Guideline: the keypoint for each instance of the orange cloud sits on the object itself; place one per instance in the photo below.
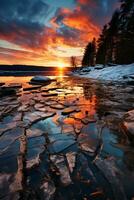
(84, 2)
(49, 46)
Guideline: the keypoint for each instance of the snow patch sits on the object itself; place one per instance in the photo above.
(115, 73)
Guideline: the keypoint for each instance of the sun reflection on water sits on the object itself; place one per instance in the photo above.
(60, 73)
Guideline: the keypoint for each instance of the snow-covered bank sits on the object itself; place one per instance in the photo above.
(115, 73)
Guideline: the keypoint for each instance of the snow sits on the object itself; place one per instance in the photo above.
(115, 73)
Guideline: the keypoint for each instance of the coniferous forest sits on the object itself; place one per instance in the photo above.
(116, 41)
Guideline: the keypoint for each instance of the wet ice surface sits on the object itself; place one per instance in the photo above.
(64, 141)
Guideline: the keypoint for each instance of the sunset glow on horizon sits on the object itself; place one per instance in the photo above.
(47, 32)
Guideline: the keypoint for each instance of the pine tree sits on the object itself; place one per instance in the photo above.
(102, 47)
(125, 46)
(87, 55)
(116, 42)
(93, 53)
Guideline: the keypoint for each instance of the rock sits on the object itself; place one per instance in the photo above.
(129, 116)
(85, 168)
(5, 181)
(32, 88)
(71, 159)
(48, 189)
(70, 110)
(14, 85)
(1, 84)
(61, 144)
(50, 102)
(110, 172)
(6, 111)
(49, 94)
(57, 106)
(31, 133)
(129, 159)
(128, 125)
(129, 79)
(86, 70)
(59, 162)
(33, 162)
(17, 117)
(40, 80)
(7, 91)
(52, 88)
(98, 193)
(31, 118)
(131, 76)
(23, 108)
(59, 136)
(9, 126)
(40, 107)
(99, 67)
(89, 145)
(17, 184)
(111, 64)
(88, 120)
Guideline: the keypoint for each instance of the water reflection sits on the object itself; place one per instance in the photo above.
(15, 79)
(60, 73)
(90, 105)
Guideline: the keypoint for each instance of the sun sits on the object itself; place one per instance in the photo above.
(61, 65)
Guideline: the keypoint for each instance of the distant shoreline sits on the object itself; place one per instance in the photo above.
(26, 70)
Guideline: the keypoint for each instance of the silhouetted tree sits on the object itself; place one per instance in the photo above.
(116, 42)
(102, 47)
(73, 62)
(125, 47)
(93, 53)
(107, 41)
(89, 57)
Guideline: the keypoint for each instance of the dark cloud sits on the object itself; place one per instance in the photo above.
(21, 21)
(29, 10)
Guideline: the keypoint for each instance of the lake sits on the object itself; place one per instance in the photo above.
(63, 140)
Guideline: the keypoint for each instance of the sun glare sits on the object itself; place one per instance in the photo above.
(61, 65)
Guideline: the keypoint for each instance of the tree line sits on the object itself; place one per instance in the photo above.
(116, 41)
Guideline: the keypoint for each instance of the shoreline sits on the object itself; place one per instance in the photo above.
(119, 73)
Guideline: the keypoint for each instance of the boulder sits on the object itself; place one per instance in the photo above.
(128, 124)
(7, 91)
(2, 83)
(40, 80)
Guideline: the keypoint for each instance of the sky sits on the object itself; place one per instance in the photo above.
(49, 32)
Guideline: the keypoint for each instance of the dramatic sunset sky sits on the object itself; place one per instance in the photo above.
(49, 32)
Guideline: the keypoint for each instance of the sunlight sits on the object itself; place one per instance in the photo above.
(61, 65)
